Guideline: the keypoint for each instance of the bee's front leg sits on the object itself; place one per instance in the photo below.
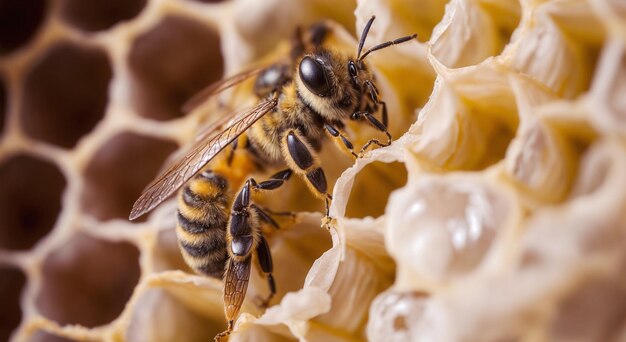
(378, 125)
(381, 126)
(374, 95)
(340, 139)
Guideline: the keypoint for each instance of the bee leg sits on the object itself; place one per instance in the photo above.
(265, 217)
(236, 280)
(267, 212)
(265, 260)
(378, 125)
(301, 158)
(241, 241)
(274, 182)
(339, 136)
(279, 213)
(374, 95)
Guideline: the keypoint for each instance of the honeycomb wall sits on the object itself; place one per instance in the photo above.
(505, 176)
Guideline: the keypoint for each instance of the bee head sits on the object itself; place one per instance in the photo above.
(315, 76)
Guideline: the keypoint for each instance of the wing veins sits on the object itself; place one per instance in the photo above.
(218, 87)
(198, 156)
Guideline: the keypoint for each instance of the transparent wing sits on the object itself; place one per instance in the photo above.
(219, 86)
(200, 153)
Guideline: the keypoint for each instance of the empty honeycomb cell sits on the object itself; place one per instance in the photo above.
(88, 281)
(30, 200)
(189, 59)
(397, 314)
(372, 187)
(119, 171)
(12, 281)
(19, 21)
(163, 318)
(3, 105)
(101, 14)
(167, 254)
(66, 94)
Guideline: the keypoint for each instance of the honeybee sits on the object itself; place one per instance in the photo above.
(303, 100)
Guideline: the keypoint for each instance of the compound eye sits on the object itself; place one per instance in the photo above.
(313, 75)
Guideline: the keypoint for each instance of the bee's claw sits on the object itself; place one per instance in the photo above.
(328, 222)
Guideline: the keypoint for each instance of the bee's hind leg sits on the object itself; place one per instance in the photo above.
(265, 260)
(236, 280)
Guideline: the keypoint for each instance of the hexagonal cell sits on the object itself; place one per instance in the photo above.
(161, 317)
(3, 104)
(471, 32)
(372, 187)
(101, 14)
(30, 200)
(12, 280)
(66, 94)
(119, 171)
(167, 254)
(19, 21)
(189, 59)
(88, 281)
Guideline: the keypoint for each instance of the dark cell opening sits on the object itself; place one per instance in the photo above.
(19, 21)
(66, 94)
(167, 255)
(96, 15)
(30, 200)
(88, 281)
(119, 171)
(171, 63)
(12, 280)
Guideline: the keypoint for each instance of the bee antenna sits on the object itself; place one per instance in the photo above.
(386, 44)
(366, 30)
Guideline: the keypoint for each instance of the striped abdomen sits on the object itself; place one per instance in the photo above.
(202, 220)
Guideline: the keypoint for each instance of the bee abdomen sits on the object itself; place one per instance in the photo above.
(202, 220)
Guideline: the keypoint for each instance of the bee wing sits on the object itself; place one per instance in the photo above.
(225, 121)
(219, 86)
(199, 155)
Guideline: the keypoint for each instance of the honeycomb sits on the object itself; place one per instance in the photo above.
(498, 214)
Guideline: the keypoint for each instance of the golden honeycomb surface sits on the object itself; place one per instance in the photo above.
(498, 213)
